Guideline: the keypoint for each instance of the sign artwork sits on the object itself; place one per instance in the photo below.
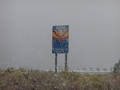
(60, 39)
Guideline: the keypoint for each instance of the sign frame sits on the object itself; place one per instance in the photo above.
(60, 39)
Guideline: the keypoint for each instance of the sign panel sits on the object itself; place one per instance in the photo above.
(60, 39)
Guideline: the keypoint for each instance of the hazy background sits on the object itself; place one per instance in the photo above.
(26, 29)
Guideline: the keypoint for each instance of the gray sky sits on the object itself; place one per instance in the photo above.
(26, 29)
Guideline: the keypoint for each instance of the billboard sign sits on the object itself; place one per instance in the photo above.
(60, 35)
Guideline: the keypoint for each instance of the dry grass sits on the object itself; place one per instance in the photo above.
(21, 79)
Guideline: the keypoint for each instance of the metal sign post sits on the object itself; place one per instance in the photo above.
(55, 62)
(66, 67)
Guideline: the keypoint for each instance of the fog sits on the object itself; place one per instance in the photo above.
(26, 32)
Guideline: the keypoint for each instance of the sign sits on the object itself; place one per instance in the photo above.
(60, 39)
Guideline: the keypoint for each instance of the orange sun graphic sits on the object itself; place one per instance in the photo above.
(60, 34)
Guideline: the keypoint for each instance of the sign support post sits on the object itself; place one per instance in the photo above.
(66, 67)
(55, 62)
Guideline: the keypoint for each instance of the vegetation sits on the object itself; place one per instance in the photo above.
(21, 79)
(117, 68)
